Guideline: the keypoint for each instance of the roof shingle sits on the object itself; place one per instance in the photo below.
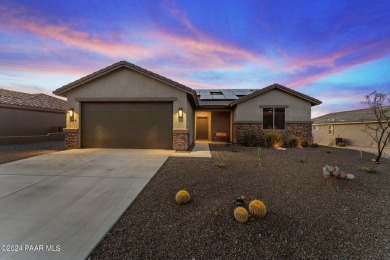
(10, 97)
(352, 116)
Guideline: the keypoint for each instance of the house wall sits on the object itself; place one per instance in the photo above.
(220, 122)
(298, 110)
(248, 116)
(352, 134)
(126, 83)
(29, 121)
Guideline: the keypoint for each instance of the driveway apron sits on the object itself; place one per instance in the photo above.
(60, 205)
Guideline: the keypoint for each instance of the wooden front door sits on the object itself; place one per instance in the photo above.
(202, 128)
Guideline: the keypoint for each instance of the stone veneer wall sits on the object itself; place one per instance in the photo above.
(302, 130)
(240, 130)
(72, 138)
(180, 141)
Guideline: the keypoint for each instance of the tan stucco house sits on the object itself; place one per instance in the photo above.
(24, 114)
(348, 125)
(126, 106)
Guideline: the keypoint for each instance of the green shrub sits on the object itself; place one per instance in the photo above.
(219, 165)
(301, 161)
(331, 144)
(368, 170)
(341, 144)
(250, 138)
(314, 145)
(294, 141)
(328, 151)
(305, 143)
(273, 139)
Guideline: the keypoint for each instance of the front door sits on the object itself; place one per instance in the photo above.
(202, 128)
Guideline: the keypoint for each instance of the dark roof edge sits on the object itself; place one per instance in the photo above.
(312, 100)
(61, 91)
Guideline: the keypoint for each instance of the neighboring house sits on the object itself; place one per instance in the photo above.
(347, 125)
(24, 114)
(126, 106)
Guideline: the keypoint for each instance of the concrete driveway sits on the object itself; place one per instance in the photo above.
(60, 205)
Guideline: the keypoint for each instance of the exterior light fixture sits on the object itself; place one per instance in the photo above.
(71, 114)
(180, 112)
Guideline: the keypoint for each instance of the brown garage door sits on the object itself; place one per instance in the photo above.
(127, 125)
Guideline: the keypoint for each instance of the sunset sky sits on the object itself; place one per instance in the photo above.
(336, 51)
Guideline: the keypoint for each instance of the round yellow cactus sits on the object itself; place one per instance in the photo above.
(182, 197)
(257, 209)
(241, 215)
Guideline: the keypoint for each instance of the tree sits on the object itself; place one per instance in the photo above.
(379, 130)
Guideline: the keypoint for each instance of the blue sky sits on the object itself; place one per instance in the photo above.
(335, 51)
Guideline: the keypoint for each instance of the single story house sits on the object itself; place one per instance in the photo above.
(24, 114)
(126, 106)
(347, 125)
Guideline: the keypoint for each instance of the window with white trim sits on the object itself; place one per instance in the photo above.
(316, 127)
(331, 130)
(274, 118)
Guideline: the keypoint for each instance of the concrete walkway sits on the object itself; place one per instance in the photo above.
(374, 150)
(60, 205)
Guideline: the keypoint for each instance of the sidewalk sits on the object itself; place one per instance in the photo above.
(385, 154)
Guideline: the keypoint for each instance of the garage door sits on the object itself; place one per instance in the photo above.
(127, 125)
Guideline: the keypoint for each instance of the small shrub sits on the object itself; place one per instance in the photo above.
(241, 215)
(328, 151)
(305, 143)
(294, 141)
(368, 170)
(331, 144)
(273, 139)
(341, 144)
(257, 209)
(219, 164)
(250, 139)
(301, 161)
(314, 145)
(182, 197)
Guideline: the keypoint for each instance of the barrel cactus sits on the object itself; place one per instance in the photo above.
(241, 215)
(257, 209)
(182, 197)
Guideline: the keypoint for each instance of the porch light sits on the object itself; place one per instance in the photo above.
(180, 112)
(71, 112)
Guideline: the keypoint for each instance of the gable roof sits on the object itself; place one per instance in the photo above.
(123, 64)
(256, 93)
(352, 116)
(15, 98)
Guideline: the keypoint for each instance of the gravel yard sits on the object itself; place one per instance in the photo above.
(14, 152)
(309, 216)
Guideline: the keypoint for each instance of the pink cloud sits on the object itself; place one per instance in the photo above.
(18, 20)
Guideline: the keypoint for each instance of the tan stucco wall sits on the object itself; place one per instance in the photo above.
(298, 110)
(352, 134)
(126, 83)
(24, 122)
(220, 122)
(190, 113)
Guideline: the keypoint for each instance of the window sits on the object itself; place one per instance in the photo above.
(316, 127)
(331, 130)
(273, 118)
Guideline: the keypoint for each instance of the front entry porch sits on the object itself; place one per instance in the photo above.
(213, 125)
